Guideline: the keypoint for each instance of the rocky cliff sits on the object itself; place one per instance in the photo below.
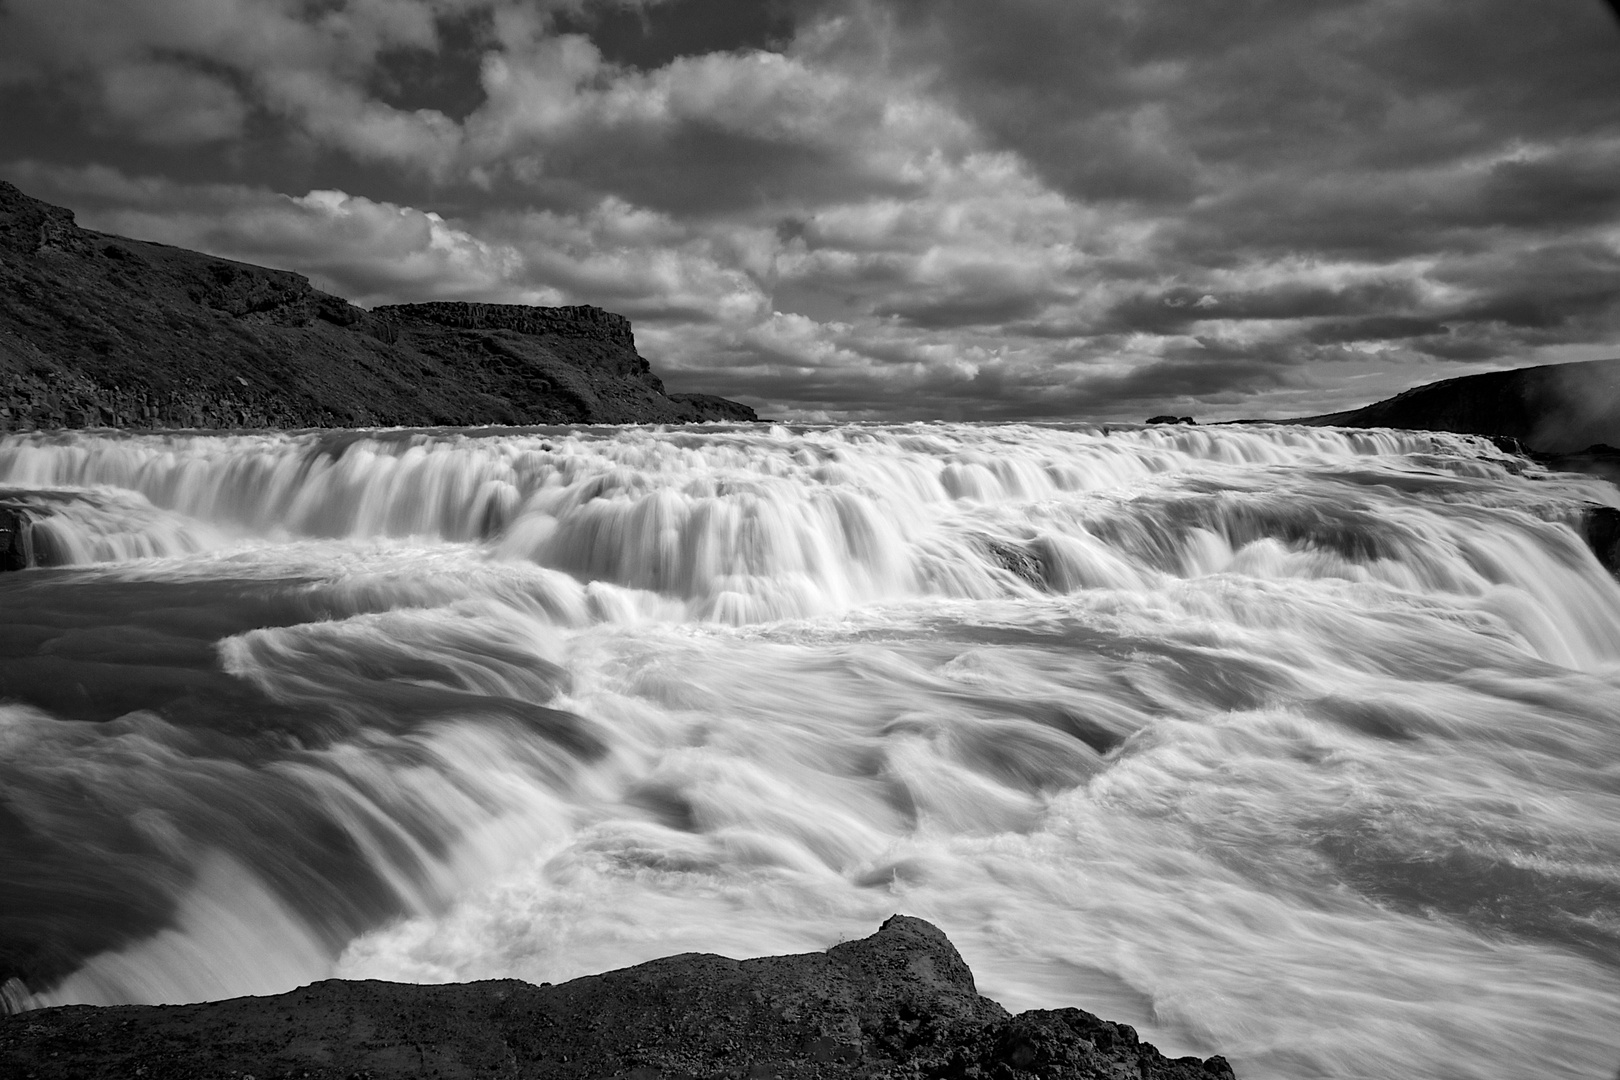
(99, 330)
(1555, 408)
(900, 1003)
(1565, 416)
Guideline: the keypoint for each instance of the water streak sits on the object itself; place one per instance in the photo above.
(1291, 744)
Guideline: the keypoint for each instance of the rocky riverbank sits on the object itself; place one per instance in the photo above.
(900, 1003)
(99, 330)
(1558, 409)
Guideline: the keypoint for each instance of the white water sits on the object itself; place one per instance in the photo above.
(1296, 745)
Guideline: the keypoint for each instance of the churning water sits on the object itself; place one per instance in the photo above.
(1296, 745)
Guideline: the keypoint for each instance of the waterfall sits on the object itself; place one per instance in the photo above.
(1290, 744)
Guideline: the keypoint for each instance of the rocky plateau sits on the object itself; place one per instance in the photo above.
(98, 330)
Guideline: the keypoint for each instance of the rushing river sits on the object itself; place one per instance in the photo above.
(1297, 745)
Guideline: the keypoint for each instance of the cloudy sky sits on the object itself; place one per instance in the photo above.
(867, 209)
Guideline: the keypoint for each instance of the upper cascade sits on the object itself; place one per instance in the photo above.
(103, 331)
(753, 525)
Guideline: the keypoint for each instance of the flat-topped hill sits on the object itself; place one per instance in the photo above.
(100, 330)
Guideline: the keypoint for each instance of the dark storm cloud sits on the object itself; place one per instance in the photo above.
(442, 73)
(883, 207)
(1174, 310)
(1393, 213)
(649, 37)
(984, 306)
(1088, 90)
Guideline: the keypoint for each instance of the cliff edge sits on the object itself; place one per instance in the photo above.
(100, 330)
(900, 1003)
(1555, 408)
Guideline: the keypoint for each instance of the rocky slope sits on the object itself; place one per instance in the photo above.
(1555, 408)
(1564, 416)
(900, 1003)
(99, 330)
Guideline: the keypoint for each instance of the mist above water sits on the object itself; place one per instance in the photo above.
(1295, 745)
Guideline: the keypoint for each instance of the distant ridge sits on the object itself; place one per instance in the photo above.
(1554, 408)
(100, 330)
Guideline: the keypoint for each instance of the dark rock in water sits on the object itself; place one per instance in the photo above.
(26, 536)
(103, 331)
(21, 546)
(900, 1003)
(1168, 419)
(1601, 527)
(1553, 408)
(1599, 459)
(1021, 561)
(16, 539)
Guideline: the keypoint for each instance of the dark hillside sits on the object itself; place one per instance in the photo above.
(99, 330)
(1555, 408)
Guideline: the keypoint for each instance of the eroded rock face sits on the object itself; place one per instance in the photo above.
(103, 331)
(900, 1003)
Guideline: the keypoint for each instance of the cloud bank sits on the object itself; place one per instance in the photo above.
(884, 208)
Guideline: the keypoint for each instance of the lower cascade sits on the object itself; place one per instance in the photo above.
(1295, 745)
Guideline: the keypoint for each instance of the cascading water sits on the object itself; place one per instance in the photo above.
(1295, 745)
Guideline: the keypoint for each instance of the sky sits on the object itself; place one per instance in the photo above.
(885, 209)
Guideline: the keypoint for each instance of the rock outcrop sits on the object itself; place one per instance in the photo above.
(99, 330)
(900, 1003)
(1554, 408)
(1600, 527)
(1558, 415)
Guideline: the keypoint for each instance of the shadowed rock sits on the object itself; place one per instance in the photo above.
(900, 1003)
(1022, 561)
(1601, 528)
(103, 331)
(1553, 408)
(16, 538)
(21, 544)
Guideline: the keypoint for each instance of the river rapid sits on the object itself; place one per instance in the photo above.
(1297, 745)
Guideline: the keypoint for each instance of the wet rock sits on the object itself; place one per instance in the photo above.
(1168, 419)
(21, 544)
(900, 1003)
(1600, 525)
(1599, 459)
(1023, 562)
(16, 539)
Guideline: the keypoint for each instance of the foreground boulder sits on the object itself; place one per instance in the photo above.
(900, 1003)
(99, 330)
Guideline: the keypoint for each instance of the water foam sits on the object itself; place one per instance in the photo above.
(1288, 744)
